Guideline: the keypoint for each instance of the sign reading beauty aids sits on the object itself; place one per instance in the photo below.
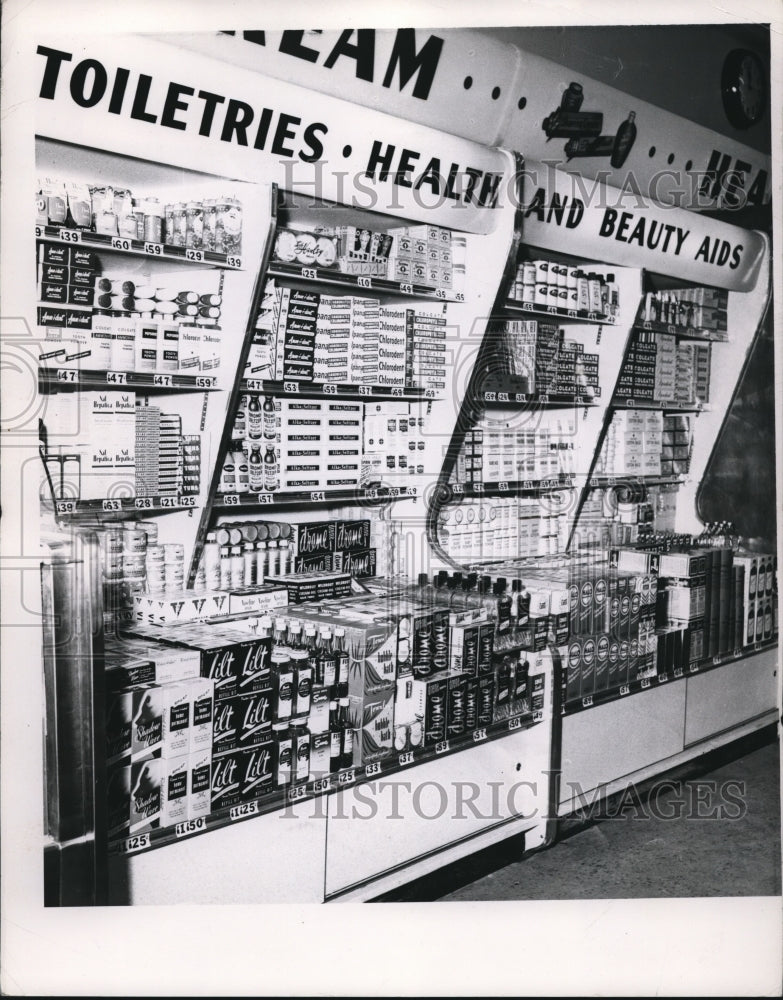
(141, 97)
(599, 222)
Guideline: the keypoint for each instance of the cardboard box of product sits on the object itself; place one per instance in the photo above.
(373, 720)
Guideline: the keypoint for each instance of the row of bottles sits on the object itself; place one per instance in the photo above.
(244, 555)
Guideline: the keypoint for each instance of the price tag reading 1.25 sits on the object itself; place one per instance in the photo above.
(309, 272)
(244, 810)
(347, 777)
(133, 844)
(296, 792)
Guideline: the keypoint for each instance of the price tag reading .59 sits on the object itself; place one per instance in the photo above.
(156, 250)
(231, 499)
(205, 381)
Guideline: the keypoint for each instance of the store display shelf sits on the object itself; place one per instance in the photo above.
(644, 684)
(124, 505)
(140, 248)
(688, 332)
(510, 488)
(57, 379)
(554, 399)
(632, 403)
(348, 777)
(246, 502)
(555, 312)
(629, 480)
(340, 390)
(360, 282)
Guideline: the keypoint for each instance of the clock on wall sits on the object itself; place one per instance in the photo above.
(744, 88)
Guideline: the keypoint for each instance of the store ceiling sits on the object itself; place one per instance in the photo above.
(675, 67)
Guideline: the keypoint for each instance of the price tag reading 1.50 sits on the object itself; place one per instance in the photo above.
(190, 826)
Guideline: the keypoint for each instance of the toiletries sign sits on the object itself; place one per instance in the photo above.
(132, 95)
(596, 221)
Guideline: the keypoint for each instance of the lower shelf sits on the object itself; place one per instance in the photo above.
(278, 798)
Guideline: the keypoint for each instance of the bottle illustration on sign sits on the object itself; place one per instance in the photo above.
(582, 130)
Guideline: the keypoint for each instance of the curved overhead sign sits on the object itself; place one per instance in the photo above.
(469, 84)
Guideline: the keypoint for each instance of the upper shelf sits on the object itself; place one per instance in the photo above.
(359, 282)
(555, 312)
(138, 248)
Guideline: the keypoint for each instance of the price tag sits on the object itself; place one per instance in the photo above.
(592, 316)
(503, 487)
(757, 647)
(364, 390)
(458, 488)
(169, 502)
(397, 390)
(515, 723)
(544, 397)
(459, 297)
(587, 702)
(143, 503)
(371, 494)
(66, 506)
(677, 673)
(244, 810)
(645, 683)
(133, 844)
(206, 381)
(520, 397)
(538, 716)
(717, 660)
(693, 668)
(118, 243)
(394, 491)
(671, 329)
(363, 281)
(234, 261)
(478, 487)
(527, 307)
(161, 380)
(442, 747)
(479, 735)
(624, 689)
(440, 293)
(406, 289)
(187, 501)
(490, 397)
(155, 250)
(372, 769)
(66, 374)
(196, 255)
(737, 654)
(115, 378)
(663, 678)
(527, 484)
(297, 792)
(265, 497)
(405, 758)
(310, 272)
(630, 403)
(429, 394)
(322, 785)
(112, 505)
(347, 777)
(410, 490)
(647, 325)
(572, 314)
(290, 387)
(552, 310)
(70, 235)
(190, 826)
(502, 397)
(329, 389)
(254, 384)
(231, 499)
(316, 495)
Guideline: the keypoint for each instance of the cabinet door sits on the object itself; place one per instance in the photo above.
(733, 694)
(383, 825)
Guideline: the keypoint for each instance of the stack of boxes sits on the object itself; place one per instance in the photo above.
(319, 444)
(495, 454)
(503, 528)
(664, 368)
(393, 443)
(296, 325)
(422, 255)
(425, 350)
(701, 311)
(633, 444)
(676, 442)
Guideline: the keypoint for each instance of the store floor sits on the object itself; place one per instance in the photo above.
(667, 840)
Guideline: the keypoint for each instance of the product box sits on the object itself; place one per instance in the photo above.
(176, 713)
(175, 773)
(351, 536)
(358, 564)
(464, 649)
(186, 606)
(255, 771)
(146, 795)
(456, 696)
(373, 720)
(200, 783)
(435, 698)
(504, 677)
(486, 699)
(226, 779)
(257, 600)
